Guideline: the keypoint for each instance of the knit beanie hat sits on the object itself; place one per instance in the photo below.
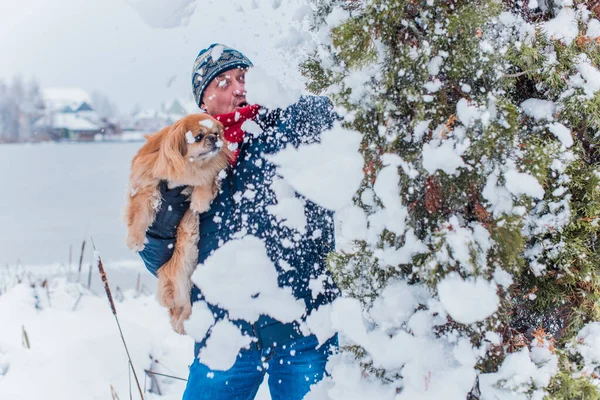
(212, 61)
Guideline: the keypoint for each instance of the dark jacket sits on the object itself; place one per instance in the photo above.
(300, 123)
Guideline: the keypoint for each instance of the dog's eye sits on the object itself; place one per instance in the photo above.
(198, 137)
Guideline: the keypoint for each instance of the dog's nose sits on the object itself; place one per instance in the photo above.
(211, 139)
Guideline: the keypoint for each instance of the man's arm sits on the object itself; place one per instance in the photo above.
(161, 235)
(309, 117)
(300, 123)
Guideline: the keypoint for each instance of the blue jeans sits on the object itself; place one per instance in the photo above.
(292, 369)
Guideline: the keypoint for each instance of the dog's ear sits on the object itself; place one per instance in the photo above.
(220, 127)
(171, 154)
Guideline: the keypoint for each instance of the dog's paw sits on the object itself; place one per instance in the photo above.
(178, 317)
(174, 294)
(200, 205)
(135, 242)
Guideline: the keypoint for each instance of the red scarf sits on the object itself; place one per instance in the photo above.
(233, 122)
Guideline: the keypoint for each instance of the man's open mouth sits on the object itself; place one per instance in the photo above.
(242, 104)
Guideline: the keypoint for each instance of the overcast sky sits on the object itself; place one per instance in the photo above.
(106, 45)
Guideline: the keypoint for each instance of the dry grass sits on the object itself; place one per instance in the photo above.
(114, 311)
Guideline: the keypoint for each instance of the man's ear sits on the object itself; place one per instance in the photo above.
(171, 154)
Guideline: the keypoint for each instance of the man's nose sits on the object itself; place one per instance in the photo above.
(239, 88)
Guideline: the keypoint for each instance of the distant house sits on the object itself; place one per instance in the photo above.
(65, 99)
(84, 107)
(69, 126)
(151, 120)
(70, 115)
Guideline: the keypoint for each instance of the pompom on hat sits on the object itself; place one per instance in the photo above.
(212, 61)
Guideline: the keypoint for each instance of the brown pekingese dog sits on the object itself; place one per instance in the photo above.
(190, 152)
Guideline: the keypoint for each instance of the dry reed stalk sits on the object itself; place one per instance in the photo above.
(77, 302)
(165, 375)
(89, 277)
(114, 311)
(119, 294)
(25, 338)
(129, 377)
(46, 285)
(113, 393)
(80, 261)
(156, 361)
(154, 386)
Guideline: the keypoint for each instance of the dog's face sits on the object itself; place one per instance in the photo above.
(197, 138)
(204, 138)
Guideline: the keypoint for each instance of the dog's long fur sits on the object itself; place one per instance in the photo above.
(171, 155)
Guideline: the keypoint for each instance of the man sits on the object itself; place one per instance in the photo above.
(293, 361)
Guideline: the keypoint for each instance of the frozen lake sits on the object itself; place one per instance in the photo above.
(55, 195)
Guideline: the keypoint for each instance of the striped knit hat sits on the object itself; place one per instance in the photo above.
(211, 62)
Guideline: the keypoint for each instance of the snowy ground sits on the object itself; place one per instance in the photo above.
(75, 351)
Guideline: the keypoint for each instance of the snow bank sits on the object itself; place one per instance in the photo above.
(76, 351)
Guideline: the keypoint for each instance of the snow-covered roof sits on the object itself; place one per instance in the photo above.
(73, 122)
(60, 98)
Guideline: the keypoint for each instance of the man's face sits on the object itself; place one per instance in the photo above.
(225, 93)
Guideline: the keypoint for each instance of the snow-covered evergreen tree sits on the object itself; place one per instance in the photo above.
(472, 246)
